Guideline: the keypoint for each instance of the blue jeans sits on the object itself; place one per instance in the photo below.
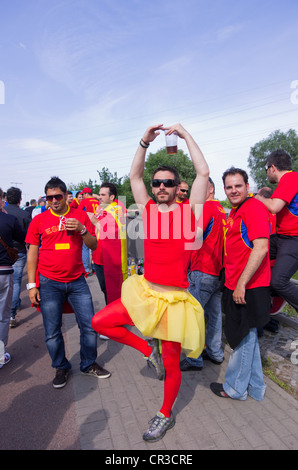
(244, 375)
(18, 268)
(206, 289)
(52, 297)
(86, 258)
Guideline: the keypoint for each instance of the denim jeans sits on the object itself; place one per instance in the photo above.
(86, 258)
(18, 268)
(6, 288)
(244, 375)
(206, 289)
(52, 296)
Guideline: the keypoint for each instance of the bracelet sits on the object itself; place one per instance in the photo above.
(83, 231)
(146, 144)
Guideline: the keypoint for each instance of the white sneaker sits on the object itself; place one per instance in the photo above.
(4, 359)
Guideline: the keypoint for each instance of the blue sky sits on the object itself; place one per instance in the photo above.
(80, 81)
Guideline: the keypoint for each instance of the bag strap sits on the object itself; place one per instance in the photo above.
(3, 243)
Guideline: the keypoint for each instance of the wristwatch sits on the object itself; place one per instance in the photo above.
(31, 285)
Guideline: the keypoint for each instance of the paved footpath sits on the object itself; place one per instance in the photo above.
(112, 414)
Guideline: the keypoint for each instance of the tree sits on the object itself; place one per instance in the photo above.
(93, 185)
(287, 141)
(180, 161)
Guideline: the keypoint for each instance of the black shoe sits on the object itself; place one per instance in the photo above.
(97, 371)
(206, 357)
(185, 366)
(218, 389)
(60, 378)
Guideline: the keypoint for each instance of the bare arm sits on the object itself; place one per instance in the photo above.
(274, 205)
(75, 225)
(259, 251)
(199, 187)
(32, 260)
(138, 187)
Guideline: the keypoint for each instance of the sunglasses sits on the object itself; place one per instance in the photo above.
(267, 167)
(168, 183)
(58, 197)
(184, 190)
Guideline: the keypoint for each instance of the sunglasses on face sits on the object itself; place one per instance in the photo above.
(267, 167)
(168, 183)
(58, 197)
(184, 190)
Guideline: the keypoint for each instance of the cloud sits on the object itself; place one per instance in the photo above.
(33, 145)
(227, 32)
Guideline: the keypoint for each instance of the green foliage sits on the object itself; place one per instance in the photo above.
(225, 203)
(287, 141)
(93, 185)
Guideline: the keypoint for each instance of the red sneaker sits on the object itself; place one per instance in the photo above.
(277, 305)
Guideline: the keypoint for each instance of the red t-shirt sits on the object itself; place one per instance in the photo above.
(74, 204)
(209, 258)
(169, 238)
(89, 204)
(248, 223)
(287, 218)
(60, 255)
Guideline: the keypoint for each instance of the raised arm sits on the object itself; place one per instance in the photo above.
(199, 187)
(138, 187)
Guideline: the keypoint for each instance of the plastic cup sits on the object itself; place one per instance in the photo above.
(171, 143)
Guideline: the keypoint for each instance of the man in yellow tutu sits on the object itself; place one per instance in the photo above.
(158, 302)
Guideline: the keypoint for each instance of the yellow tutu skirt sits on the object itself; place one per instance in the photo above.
(171, 316)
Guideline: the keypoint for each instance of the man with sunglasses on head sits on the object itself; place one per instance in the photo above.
(283, 243)
(56, 276)
(158, 302)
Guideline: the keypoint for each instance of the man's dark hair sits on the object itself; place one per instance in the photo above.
(1, 193)
(281, 159)
(55, 182)
(112, 188)
(212, 183)
(168, 168)
(234, 171)
(265, 192)
(14, 195)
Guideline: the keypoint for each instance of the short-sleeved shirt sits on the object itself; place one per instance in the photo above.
(209, 258)
(90, 204)
(168, 243)
(60, 255)
(248, 223)
(287, 218)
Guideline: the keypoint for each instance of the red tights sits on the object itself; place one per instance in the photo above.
(110, 322)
